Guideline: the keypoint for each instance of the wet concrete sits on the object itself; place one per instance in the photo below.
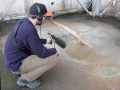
(78, 67)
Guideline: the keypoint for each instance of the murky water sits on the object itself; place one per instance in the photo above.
(104, 35)
(108, 70)
(102, 62)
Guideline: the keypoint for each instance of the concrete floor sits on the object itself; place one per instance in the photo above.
(78, 67)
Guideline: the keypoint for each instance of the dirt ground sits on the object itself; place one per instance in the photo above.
(78, 67)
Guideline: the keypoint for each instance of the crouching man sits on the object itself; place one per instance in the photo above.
(22, 40)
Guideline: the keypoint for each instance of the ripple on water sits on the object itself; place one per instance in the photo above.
(107, 71)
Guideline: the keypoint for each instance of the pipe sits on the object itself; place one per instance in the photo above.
(85, 7)
(69, 30)
(13, 18)
(89, 5)
(8, 9)
(20, 17)
(106, 8)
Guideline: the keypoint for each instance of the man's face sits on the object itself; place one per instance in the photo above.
(39, 23)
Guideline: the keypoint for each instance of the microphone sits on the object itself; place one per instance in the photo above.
(58, 41)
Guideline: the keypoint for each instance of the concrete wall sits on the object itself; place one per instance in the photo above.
(113, 9)
(17, 7)
(21, 7)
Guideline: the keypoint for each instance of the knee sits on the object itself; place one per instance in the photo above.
(53, 62)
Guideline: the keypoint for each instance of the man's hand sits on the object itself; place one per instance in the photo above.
(49, 41)
(57, 52)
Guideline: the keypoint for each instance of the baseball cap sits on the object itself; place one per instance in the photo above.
(42, 8)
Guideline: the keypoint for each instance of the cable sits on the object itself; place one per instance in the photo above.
(40, 32)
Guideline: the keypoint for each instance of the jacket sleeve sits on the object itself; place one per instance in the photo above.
(44, 41)
(34, 44)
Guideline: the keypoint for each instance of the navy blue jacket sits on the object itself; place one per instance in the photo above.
(27, 38)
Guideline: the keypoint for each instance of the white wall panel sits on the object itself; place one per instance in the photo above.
(22, 6)
(76, 5)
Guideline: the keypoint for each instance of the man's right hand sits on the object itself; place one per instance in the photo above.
(57, 52)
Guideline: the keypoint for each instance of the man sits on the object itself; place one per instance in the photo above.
(22, 40)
